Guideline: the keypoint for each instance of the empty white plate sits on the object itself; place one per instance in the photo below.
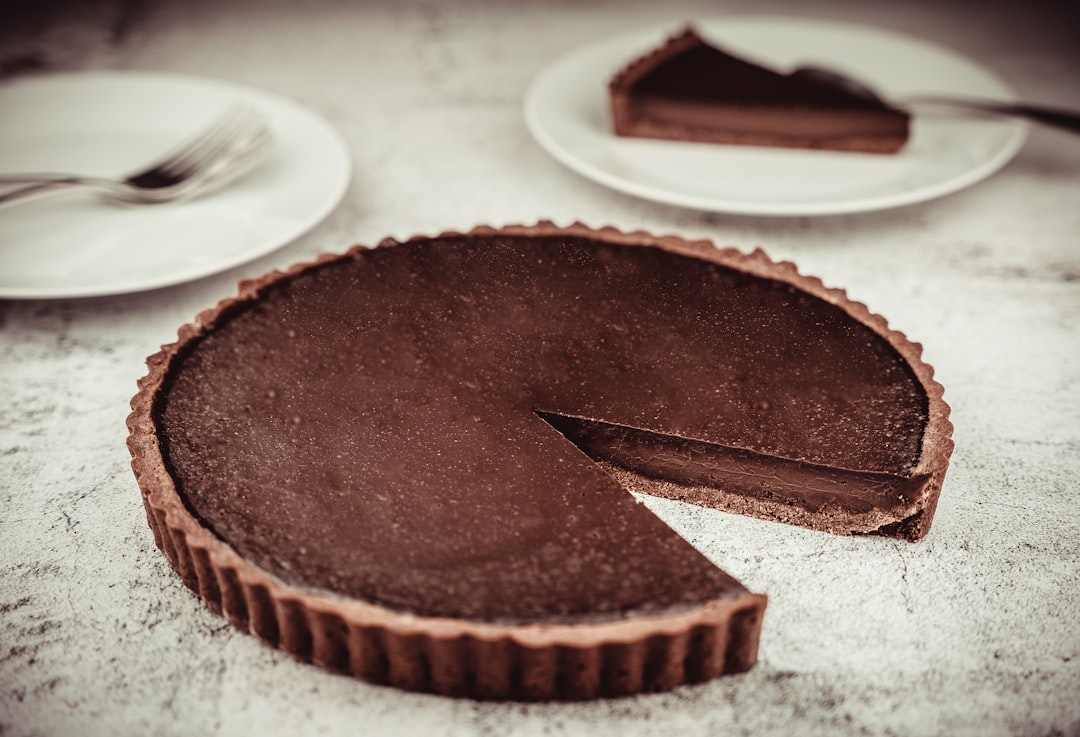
(110, 123)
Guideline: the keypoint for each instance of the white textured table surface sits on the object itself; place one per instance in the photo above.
(974, 630)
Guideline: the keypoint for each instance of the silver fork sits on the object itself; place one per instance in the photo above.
(229, 147)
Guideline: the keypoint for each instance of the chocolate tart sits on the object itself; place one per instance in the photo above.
(409, 463)
(690, 90)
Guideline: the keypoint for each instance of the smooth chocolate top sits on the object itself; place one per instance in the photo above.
(698, 70)
(371, 425)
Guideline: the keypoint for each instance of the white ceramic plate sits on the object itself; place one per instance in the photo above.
(566, 109)
(110, 123)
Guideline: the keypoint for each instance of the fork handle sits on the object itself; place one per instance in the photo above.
(1065, 119)
(38, 185)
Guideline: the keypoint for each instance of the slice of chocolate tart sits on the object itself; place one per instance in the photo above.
(690, 90)
(409, 463)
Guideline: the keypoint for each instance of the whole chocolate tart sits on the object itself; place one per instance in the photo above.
(410, 463)
(690, 90)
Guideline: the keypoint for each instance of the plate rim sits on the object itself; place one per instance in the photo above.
(273, 103)
(533, 114)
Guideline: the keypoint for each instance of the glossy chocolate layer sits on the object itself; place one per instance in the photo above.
(691, 90)
(369, 426)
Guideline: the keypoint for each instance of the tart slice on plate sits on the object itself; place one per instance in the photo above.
(691, 90)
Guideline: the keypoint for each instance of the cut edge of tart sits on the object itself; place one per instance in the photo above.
(484, 659)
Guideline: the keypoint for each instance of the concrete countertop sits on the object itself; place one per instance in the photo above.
(974, 630)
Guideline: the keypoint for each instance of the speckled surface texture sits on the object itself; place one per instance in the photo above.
(972, 631)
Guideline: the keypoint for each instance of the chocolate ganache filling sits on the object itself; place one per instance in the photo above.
(447, 427)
